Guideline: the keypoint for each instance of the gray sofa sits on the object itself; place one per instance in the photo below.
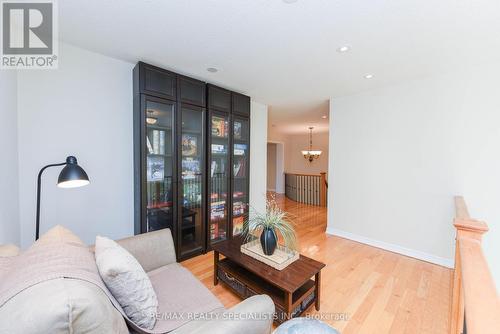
(64, 305)
(156, 250)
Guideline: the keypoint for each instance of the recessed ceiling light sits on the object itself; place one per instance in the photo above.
(290, 1)
(324, 116)
(368, 76)
(212, 70)
(344, 48)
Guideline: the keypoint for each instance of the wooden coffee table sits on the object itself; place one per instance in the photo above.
(291, 289)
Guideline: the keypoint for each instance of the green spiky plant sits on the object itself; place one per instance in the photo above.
(274, 219)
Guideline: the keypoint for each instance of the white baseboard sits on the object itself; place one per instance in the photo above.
(448, 263)
(272, 190)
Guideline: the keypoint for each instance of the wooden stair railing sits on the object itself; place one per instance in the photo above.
(306, 188)
(475, 305)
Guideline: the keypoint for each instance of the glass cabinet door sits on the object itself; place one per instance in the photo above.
(159, 121)
(191, 234)
(241, 144)
(219, 177)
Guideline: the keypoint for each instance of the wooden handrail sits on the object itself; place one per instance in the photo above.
(303, 174)
(474, 298)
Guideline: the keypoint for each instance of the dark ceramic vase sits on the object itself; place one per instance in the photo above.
(268, 241)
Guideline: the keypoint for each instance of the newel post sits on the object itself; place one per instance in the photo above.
(465, 228)
(323, 189)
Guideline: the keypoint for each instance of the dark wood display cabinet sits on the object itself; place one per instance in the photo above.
(229, 163)
(191, 159)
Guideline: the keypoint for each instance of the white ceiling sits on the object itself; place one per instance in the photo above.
(281, 54)
(297, 118)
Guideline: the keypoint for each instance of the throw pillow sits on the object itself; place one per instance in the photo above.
(127, 281)
(59, 233)
(8, 250)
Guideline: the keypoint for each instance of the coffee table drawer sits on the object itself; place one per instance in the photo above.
(233, 282)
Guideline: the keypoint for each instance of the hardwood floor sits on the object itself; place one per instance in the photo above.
(378, 291)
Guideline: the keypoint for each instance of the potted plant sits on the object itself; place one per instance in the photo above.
(268, 224)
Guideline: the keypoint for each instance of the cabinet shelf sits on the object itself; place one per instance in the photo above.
(241, 141)
(218, 239)
(159, 155)
(218, 220)
(159, 127)
(222, 138)
(194, 132)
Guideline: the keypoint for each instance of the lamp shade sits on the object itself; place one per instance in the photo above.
(72, 175)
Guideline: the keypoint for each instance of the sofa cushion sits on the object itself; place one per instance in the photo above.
(61, 306)
(180, 297)
(127, 281)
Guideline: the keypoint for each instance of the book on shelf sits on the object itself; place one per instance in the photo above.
(237, 130)
(156, 141)
(213, 168)
(155, 168)
(218, 210)
(217, 232)
(156, 144)
(238, 225)
(214, 231)
(219, 127)
(240, 149)
(162, 142)
(190, 168)
(239, 208)
(218, 149)
(192, 192)
(148, 144)
(189, 145)
(240, 167)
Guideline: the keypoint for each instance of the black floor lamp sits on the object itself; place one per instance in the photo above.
(71, 176)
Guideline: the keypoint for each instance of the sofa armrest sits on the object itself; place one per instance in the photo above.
(252, 316)
(153, 249)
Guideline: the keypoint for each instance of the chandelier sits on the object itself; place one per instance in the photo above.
(311, 154)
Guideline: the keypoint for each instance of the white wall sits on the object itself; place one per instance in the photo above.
(295, 162)
(293, 144)
(84, 109)
(258, 156)
(9, 197)
(400, 154)
(271, 167)
(280, 168)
